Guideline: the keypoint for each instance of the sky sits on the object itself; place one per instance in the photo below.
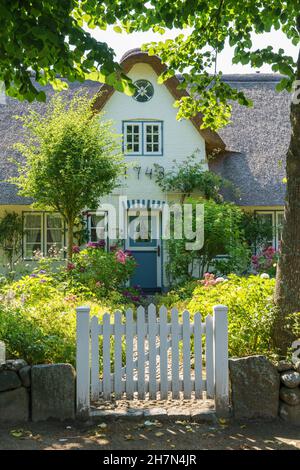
(123, 42)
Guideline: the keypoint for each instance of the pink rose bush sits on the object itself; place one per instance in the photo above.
(121, 256)
(99, 270)
(265, 261)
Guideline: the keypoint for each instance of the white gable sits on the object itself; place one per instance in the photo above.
(180, 138)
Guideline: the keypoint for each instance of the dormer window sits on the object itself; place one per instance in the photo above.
(142, 138)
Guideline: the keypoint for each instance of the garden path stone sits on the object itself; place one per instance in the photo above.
(255, 387)
(14, 405)
(9, 380)
(291, 396)
(291, 379)
(53, 392)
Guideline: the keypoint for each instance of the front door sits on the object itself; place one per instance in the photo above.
(145, 244)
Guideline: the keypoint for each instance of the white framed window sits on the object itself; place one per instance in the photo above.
(152, 138)
(33, 237)
(44, 232)
(143, 138)
(133, 138)
(275, 220)
(279, 224)
(54, 234)
(97, 226)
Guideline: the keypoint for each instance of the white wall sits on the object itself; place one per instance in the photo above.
(180, 139)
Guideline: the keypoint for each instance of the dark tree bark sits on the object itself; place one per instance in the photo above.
(287, 293)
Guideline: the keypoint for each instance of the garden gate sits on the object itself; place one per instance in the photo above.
(132, 353)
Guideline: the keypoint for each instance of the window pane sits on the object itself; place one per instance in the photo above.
(54, 221)
(132, 138)
(97, 234)
(93, 235)
(267, 221)
(152, 140)
(33, 236)
(140, 228)
(280, 220)
(54, 236)
(98, 227)
(31, 248)
(96, 219)
(33, 221)
(267, 218)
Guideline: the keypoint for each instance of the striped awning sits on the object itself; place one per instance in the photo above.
(144, 204)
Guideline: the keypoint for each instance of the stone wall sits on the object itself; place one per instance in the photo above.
(254, 387)
(37, 392)
(15, 391)
(259, 389)
(289, 407)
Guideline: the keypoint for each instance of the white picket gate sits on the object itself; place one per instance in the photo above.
(151, 345)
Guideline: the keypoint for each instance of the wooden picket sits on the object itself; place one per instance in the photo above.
(153, 348)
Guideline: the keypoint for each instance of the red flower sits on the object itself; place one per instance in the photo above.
(121, 256)
(71, 266)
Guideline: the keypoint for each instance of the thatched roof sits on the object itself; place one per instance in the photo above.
(11, 131)
(256, 142)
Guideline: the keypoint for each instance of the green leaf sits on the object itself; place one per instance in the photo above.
(117, 29)
(58, 85)
(96, 76)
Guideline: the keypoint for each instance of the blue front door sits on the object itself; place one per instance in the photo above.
(144, 243)
(145, 274)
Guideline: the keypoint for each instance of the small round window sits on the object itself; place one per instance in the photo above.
(144, 91)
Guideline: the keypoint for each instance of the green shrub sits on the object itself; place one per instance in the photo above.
(266, 261)
(222, 236)
(250, 310)
(38, 319)
(100, 271)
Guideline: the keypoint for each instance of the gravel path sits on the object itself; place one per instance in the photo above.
(180, 435)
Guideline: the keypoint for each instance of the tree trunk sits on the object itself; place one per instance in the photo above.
(70, 239)
(287, 293)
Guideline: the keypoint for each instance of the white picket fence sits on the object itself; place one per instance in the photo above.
(152, 345)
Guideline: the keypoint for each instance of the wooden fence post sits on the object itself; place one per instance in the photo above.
(83, 361)
(220, 323)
